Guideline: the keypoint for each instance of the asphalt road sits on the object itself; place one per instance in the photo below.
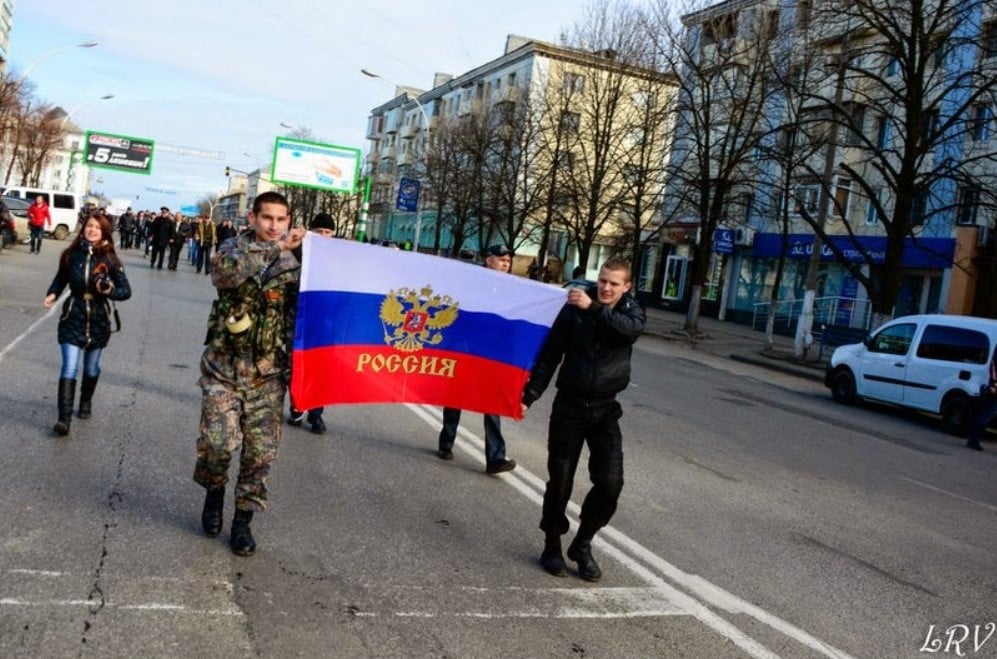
(759, 518)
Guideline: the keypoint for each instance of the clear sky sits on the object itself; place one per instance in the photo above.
(222, 75)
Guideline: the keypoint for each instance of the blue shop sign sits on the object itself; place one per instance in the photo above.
(408, 195)
(723, 241)
(933, 253)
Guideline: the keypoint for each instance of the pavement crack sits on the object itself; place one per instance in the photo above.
(115, 497)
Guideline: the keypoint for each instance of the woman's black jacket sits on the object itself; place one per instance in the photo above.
(86, 314)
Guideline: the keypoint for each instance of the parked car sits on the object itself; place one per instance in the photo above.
(64, 207)
(934, 363)
(19, 213)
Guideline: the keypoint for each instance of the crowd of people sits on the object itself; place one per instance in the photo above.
(245, 366)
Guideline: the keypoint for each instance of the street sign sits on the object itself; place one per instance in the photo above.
(118, 152)
(723, 241)
(408, 195)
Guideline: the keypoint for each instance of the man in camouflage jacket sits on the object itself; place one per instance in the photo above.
(244, 366)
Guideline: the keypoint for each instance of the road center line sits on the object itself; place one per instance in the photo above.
(951, 494)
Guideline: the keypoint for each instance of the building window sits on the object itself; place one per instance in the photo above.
(989, 44)
(981, 122)
(919, 207)
(884, 133)
(570, 121)
(803, 14)
(574, 83)
(872, 214)
(892, 66)
(566, 161)
(772, 25)
(969, 203)
(855, 115)
(806, 199)
(842, 196)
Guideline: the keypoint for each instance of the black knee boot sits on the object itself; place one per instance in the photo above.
(241, 540)
(86, 394)
(67, 395)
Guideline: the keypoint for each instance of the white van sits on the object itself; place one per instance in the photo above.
(935, 363)
(63, 206)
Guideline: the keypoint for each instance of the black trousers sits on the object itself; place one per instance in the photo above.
(158, 251)
(574, 422)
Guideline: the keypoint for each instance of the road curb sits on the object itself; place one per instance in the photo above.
(774, 364)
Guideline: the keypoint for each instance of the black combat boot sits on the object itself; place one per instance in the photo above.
(67, 395)
(551, 560)
(86, 395)
(241, 540)
(580, 551)
(211, 515)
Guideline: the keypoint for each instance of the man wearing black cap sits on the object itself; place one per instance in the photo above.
(161, 233)
(499, 257)
(323, 225)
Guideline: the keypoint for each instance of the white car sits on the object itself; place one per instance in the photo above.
(934, 363)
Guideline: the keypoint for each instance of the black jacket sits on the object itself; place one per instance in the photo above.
(595, 345)
(86, 314)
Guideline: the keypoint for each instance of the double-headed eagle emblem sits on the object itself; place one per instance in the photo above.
(417, 317)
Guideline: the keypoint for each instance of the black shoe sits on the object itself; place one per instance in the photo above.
(581, 553)
(318, 426)
(241, 541)
(552, 562)
(211, 515)
(444, 454)
(974, 444)
(499, 466)
(295, 418)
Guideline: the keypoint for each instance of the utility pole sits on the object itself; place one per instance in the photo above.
(804, 326)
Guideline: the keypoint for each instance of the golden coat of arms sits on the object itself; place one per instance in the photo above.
(417, 317)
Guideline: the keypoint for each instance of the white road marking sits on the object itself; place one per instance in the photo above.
(20, 337)
(951, 494)
(635, 557)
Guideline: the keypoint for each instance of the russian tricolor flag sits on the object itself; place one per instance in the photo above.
(379, 325)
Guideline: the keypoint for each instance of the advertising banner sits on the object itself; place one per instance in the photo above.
(118, 152)
(408, 195)
(313, 165)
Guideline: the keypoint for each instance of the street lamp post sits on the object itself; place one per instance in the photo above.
(71, 170)
(425, 118)
(38, 60)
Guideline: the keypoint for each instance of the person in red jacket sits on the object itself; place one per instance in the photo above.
(38, 219)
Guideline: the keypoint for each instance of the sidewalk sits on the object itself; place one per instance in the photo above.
(732, 341)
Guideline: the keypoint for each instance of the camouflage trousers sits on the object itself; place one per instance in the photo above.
(234, 416)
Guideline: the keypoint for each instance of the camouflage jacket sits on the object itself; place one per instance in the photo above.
(251, 324)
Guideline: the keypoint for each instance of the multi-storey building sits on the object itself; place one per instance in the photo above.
(6, 25)
(883, 154)
(536, 101)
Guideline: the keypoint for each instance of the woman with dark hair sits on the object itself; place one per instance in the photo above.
(96, 277)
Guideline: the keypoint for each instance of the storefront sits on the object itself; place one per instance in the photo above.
(925, 262)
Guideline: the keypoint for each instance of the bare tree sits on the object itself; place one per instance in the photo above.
(721, 60)
(917, 98)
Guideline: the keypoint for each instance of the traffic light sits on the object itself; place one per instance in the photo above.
(226, 171)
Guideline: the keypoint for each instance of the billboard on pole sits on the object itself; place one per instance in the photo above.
(314, 165)
(118, 152)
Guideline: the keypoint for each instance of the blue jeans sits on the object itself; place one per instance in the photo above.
(71, 361)
(986, 409)
(494, 442)
(36, 238)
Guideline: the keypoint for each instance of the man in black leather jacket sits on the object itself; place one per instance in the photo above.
(591, 339)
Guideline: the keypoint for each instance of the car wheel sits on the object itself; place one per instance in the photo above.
(957, 414)
(60, 232)
(843, 387)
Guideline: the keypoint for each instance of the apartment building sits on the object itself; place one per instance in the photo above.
(884, 155)
(534, 103)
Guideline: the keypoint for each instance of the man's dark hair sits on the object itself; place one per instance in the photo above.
(270, 197)
(618, 264)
